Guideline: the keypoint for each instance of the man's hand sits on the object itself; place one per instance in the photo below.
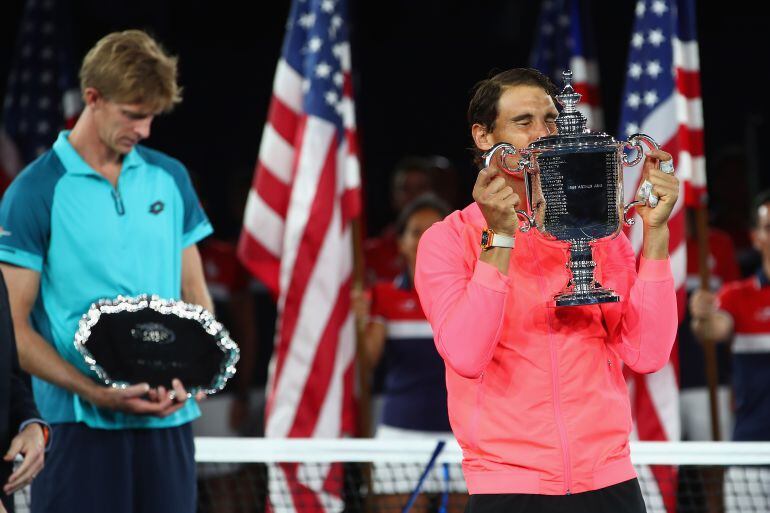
(497, 201)
(702, 304)
(709, 323)
(140, 399)
(30, 443)
(360, 303)
(664, 185)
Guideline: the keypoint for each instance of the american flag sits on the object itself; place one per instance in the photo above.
(42, 94)
(662, 99)
(296, 238)
(563, 41)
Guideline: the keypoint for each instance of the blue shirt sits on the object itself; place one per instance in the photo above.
(415, 394)
(90, 240)
(748, 302)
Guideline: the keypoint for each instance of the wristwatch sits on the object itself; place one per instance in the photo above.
(490, 239)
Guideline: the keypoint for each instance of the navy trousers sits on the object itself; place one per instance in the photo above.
(118, 471)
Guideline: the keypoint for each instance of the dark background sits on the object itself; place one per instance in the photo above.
(414, 64)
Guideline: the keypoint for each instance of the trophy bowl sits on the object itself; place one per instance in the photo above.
(146, 339)
(574, 187)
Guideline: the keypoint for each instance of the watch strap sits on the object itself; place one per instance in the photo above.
(490, 239)
(502, 241)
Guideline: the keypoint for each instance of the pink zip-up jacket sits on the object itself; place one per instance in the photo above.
(536, 394)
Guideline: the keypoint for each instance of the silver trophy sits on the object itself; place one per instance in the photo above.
(129, 340)
(574, 187)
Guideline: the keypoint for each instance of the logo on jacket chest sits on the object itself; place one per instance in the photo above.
(157, 207)
(763, 314)
(408, 305)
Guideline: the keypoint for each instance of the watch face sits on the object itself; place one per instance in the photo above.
(484, 239)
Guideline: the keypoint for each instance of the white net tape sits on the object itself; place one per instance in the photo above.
(373, 475)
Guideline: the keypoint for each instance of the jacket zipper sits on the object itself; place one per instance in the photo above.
(476, 413)
(557, 408)
(555, 385)
(118, 199)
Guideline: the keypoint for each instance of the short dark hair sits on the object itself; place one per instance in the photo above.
(425, 201)
(760, 199)
(482, 108)
(409, 164)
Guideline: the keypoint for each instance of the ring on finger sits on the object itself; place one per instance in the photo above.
(667, 166)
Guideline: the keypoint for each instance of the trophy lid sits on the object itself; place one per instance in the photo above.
(571, 123)
(570, 120)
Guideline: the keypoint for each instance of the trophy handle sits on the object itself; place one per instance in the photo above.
(529, 221)
(525, 167)
(526, 163)
(644, 193)
(630, 221)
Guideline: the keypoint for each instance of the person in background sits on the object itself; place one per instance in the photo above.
(412, 177)
(22, 431)
(694, 407)
(399, 340)
(740, 313)
(693, 395)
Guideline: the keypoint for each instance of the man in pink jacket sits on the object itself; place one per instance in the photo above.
(536, 394)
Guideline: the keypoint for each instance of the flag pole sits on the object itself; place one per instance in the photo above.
(709, 344)
(364, 389)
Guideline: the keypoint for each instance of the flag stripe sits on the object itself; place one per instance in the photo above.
(284, 122)
(689, 110)
(260, 262)
(263, 224)
(287, 86)
(690, 139)
(686, 55)
(333, 418)
(688, 83)
(272, 191)
(314, 396)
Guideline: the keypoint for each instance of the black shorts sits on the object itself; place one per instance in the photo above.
(625, 497)
(117, 471)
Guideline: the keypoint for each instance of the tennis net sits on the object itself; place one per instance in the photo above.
(256, 475)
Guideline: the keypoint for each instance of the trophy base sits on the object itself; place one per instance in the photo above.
(592, 297)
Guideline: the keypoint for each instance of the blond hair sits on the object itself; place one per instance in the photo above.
(131, 67)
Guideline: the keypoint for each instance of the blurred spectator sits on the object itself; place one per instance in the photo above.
(412, 177)
(742, 310)
(446, 182)
(399, 338)
(694, 399)
(21, 429)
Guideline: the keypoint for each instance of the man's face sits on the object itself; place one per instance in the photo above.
(524, 113)
(121, 125)
(415, 227)
(761, 234)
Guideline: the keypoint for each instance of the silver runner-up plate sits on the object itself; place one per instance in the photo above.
(146, 339)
